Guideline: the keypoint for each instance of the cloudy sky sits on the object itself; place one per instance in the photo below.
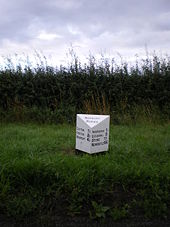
(126, 27)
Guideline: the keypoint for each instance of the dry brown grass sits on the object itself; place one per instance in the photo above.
(96, 105)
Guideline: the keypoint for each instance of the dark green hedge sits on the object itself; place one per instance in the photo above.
(120, 86)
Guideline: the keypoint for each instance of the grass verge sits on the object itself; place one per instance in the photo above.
(40, 173)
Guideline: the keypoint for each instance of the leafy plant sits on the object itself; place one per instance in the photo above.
(99, 211)
(118, 213)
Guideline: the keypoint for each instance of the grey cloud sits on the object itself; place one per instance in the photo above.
(135, 21)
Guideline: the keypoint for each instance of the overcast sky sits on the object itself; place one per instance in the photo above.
(96, 26)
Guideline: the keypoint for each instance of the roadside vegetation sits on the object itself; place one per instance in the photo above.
(40, 172)
(129, 93)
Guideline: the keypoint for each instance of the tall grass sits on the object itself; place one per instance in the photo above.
(96, 105)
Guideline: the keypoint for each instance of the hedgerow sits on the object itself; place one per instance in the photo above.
(92, 87)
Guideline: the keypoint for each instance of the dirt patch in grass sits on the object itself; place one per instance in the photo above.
(69, 151)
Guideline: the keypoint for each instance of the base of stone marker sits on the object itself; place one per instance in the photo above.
(79, 152)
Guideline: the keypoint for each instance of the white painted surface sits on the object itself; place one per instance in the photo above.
(92, 133)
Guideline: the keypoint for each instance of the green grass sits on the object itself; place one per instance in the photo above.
(39, 171)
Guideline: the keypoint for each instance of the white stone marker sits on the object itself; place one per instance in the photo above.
(92, 133)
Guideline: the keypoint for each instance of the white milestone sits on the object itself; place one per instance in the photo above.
(92, 133)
